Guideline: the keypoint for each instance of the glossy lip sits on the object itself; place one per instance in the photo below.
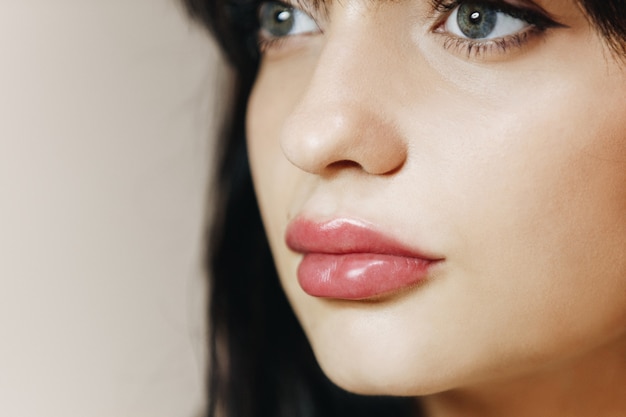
(351, 260)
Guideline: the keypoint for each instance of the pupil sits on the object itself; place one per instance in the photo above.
(477, 19)
(283, 16)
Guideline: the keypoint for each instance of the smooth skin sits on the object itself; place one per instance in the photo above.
(509, 163)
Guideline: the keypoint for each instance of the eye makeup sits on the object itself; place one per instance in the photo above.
(526, 21)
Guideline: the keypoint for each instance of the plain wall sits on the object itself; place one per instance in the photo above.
(105, 154)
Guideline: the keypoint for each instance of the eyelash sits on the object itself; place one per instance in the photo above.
(266, 43)
(538, 23)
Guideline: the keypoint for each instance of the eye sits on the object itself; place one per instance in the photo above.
(483, 20)
(279, 20)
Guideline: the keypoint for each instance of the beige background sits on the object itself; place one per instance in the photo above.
(104, 159)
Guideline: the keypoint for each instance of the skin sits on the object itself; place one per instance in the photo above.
(511, 165)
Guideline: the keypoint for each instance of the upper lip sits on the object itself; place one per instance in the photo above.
(345, 236)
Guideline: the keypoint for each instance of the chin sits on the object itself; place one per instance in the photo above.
(369, 379)
(378, 366)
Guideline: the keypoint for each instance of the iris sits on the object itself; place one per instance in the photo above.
(476, 20)
(277, 18)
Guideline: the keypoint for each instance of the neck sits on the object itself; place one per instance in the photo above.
(589, 386)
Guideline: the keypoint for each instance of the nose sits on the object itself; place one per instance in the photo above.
(342, 120)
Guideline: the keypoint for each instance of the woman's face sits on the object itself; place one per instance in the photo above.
(443, 188)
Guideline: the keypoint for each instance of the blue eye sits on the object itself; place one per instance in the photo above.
(278, 20)
(481, 20)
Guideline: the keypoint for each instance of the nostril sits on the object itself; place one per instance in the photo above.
(343, 164)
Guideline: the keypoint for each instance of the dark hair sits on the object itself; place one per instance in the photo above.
(260, 361)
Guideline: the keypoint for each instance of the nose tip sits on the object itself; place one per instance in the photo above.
(322, 140)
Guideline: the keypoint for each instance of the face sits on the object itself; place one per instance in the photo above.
(443, 188)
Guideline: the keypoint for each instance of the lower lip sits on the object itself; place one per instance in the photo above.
(357, 276)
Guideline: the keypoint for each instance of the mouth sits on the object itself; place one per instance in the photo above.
(351, 260)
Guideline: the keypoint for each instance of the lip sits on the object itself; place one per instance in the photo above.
(351, 260)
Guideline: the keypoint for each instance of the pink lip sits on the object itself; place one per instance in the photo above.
(350, 260)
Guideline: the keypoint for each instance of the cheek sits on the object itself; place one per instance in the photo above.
(280, 186)
(267, 111)
(276, 92)
(538, 204)
(277, 182)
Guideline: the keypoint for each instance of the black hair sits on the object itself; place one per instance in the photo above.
(261, 364)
